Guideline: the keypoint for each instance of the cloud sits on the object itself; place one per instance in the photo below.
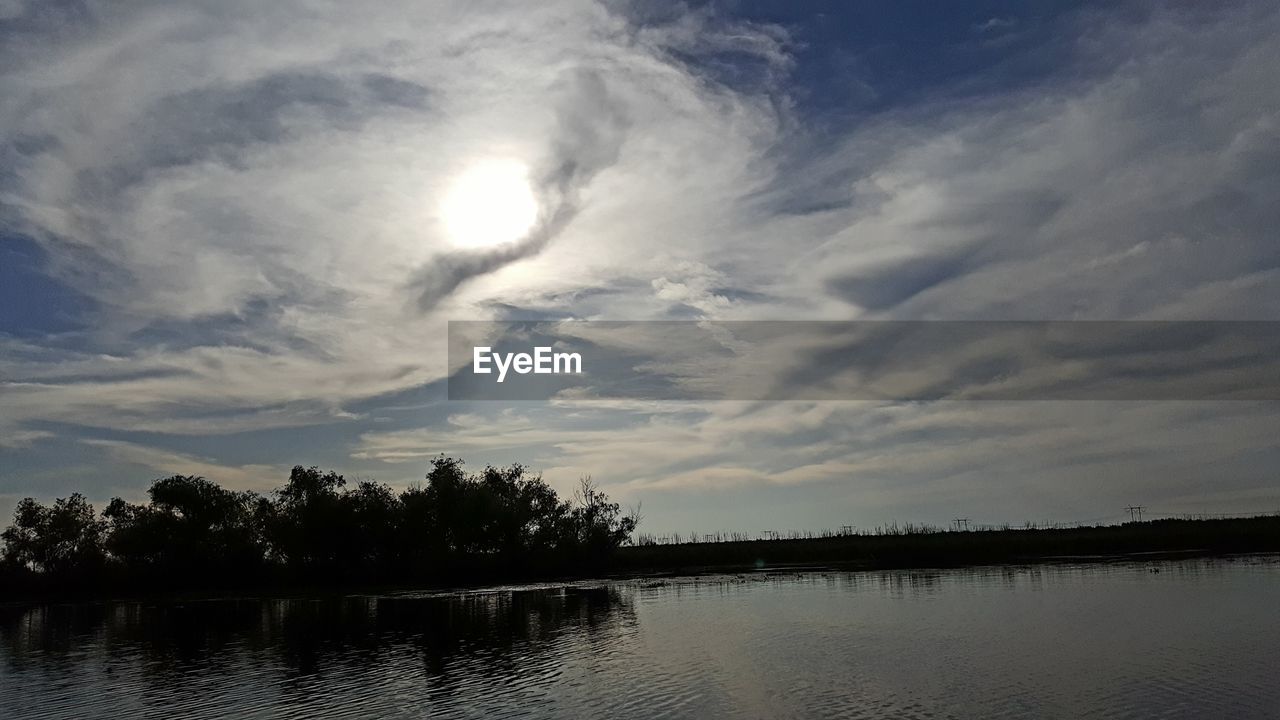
(588, 133)
(995, 24)
(993, 460)
(246, 193)
(19, 439)
(259, 478)
(1029, 205)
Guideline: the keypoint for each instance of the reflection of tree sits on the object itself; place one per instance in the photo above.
(303, 637)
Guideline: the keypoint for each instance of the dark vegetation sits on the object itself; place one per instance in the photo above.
(502, 522)
(925, 546)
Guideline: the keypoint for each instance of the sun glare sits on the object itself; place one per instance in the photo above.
(490, 204)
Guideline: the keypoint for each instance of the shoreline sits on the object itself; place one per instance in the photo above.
(1132, 542)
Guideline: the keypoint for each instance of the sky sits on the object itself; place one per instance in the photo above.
(232, 235)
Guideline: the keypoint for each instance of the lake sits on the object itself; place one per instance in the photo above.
(1192, 638)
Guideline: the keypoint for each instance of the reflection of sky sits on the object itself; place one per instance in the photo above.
(967, 642)
(220, 250)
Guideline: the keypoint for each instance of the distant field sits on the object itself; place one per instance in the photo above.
(952, 548)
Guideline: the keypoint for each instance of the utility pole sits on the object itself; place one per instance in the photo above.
(1135, 512)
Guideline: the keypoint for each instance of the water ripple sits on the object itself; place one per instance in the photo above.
(1196, 639)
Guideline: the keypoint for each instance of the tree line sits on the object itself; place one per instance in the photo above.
(317, 528)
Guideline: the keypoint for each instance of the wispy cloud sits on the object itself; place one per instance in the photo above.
(251, 198)
(990, 459)
(247, 195)
(19, 439)
(260, 478)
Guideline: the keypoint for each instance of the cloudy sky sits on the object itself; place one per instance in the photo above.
(232, 234)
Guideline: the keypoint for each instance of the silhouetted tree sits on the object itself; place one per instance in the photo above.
(444, 502)
(57, 540)
(419, 538)
(305, 525)
(194, 532)
(191, 527)
(597, 525)
(373, 514)
(513, 513)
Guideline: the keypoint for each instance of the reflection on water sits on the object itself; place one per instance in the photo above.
(364, 655)
(1185, 639)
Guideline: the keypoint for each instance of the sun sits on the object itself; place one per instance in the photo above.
(490, 203)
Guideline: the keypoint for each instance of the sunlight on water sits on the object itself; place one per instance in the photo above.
(1190, 639)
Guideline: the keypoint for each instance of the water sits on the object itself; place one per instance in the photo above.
(1194, 639)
